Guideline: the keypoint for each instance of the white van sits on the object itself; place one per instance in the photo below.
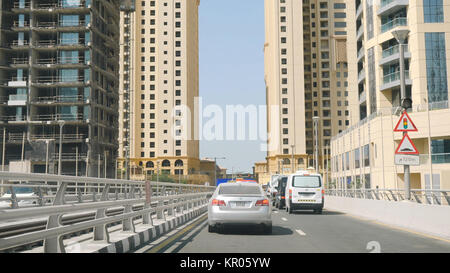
(272, 187)
(304, 191)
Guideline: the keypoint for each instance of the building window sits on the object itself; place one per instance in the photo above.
(433, 11)
(436, 66)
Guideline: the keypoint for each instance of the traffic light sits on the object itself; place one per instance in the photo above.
(407, 103)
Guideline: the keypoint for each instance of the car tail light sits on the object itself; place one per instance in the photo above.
(219, 203)
(264, 202)
(282, 197)
(323, 191)
(290, 194)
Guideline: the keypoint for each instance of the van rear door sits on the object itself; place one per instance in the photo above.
(306, 189)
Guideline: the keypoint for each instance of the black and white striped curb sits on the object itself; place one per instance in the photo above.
(139, 239)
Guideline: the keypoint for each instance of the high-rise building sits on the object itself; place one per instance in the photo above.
(306, 77)
(158, 85)
(59, 73)
(363, 155)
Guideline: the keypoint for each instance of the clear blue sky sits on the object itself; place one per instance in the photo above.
(232, 70)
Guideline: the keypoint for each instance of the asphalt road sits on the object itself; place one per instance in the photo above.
(331, 232)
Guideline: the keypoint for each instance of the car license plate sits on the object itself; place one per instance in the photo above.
(239, 204)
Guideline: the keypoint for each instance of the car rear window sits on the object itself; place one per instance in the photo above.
(240, 189)
(306, 182)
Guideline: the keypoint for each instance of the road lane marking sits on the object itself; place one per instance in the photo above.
(186, 236)
(185, 230)
(299, 231)
(284, 219)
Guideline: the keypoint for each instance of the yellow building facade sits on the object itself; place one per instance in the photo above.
(306, 76)
(158, 85)
(363, 154)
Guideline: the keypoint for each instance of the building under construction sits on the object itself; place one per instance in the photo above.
(59, 63)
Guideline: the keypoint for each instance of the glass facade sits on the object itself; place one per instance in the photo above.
(69, 112)
(372, 80)
(70, 20)
(440, 151)
(69, 75)
(68, 57)
(69, 38)
(433, 11)
(369, 18)
(357, 158)
(366, 154)
(436, 66)
(70, 3)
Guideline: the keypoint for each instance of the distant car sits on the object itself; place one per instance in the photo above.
(239, 203)
(280, 198)
(25, 196)
(272, 187)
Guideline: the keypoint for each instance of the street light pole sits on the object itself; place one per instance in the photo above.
(215, 169)
(316, 136)
(293, 161)
(401, 36)
(61, 125)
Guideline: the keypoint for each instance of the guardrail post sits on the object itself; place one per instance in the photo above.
(170, 209)
(55, 244)
(377, 196)
(393, 196)
(80, 197)
(41, 196)
(185, 205)
(159, 211)
(100, 231)
(147, 217)
(446, 198)
(128, 224)
(14, 204)
(178, 205)
(428, 199)
(416, 197)
(436, 199)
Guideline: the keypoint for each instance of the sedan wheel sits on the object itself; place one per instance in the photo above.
(211, 229)
(267, 229)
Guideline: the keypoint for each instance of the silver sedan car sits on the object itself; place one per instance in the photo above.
(239, 203)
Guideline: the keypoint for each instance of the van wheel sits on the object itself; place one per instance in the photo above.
(277, 206)
(289, 210)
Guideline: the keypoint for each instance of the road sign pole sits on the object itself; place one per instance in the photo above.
(401, 37)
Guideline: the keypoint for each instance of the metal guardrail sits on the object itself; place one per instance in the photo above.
(421, 196)
(55, 197)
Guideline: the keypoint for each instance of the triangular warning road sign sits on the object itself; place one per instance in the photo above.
(406, 147)
(405, 124)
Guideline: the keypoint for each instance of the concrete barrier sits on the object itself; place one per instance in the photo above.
(429, 219)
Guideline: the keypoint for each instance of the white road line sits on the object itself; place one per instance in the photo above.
(184, 237)
(299, 231)
(284, 219)
(275, 211)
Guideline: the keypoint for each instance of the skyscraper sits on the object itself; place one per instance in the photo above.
(59, 70)
(159, 82)
(306, 77)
